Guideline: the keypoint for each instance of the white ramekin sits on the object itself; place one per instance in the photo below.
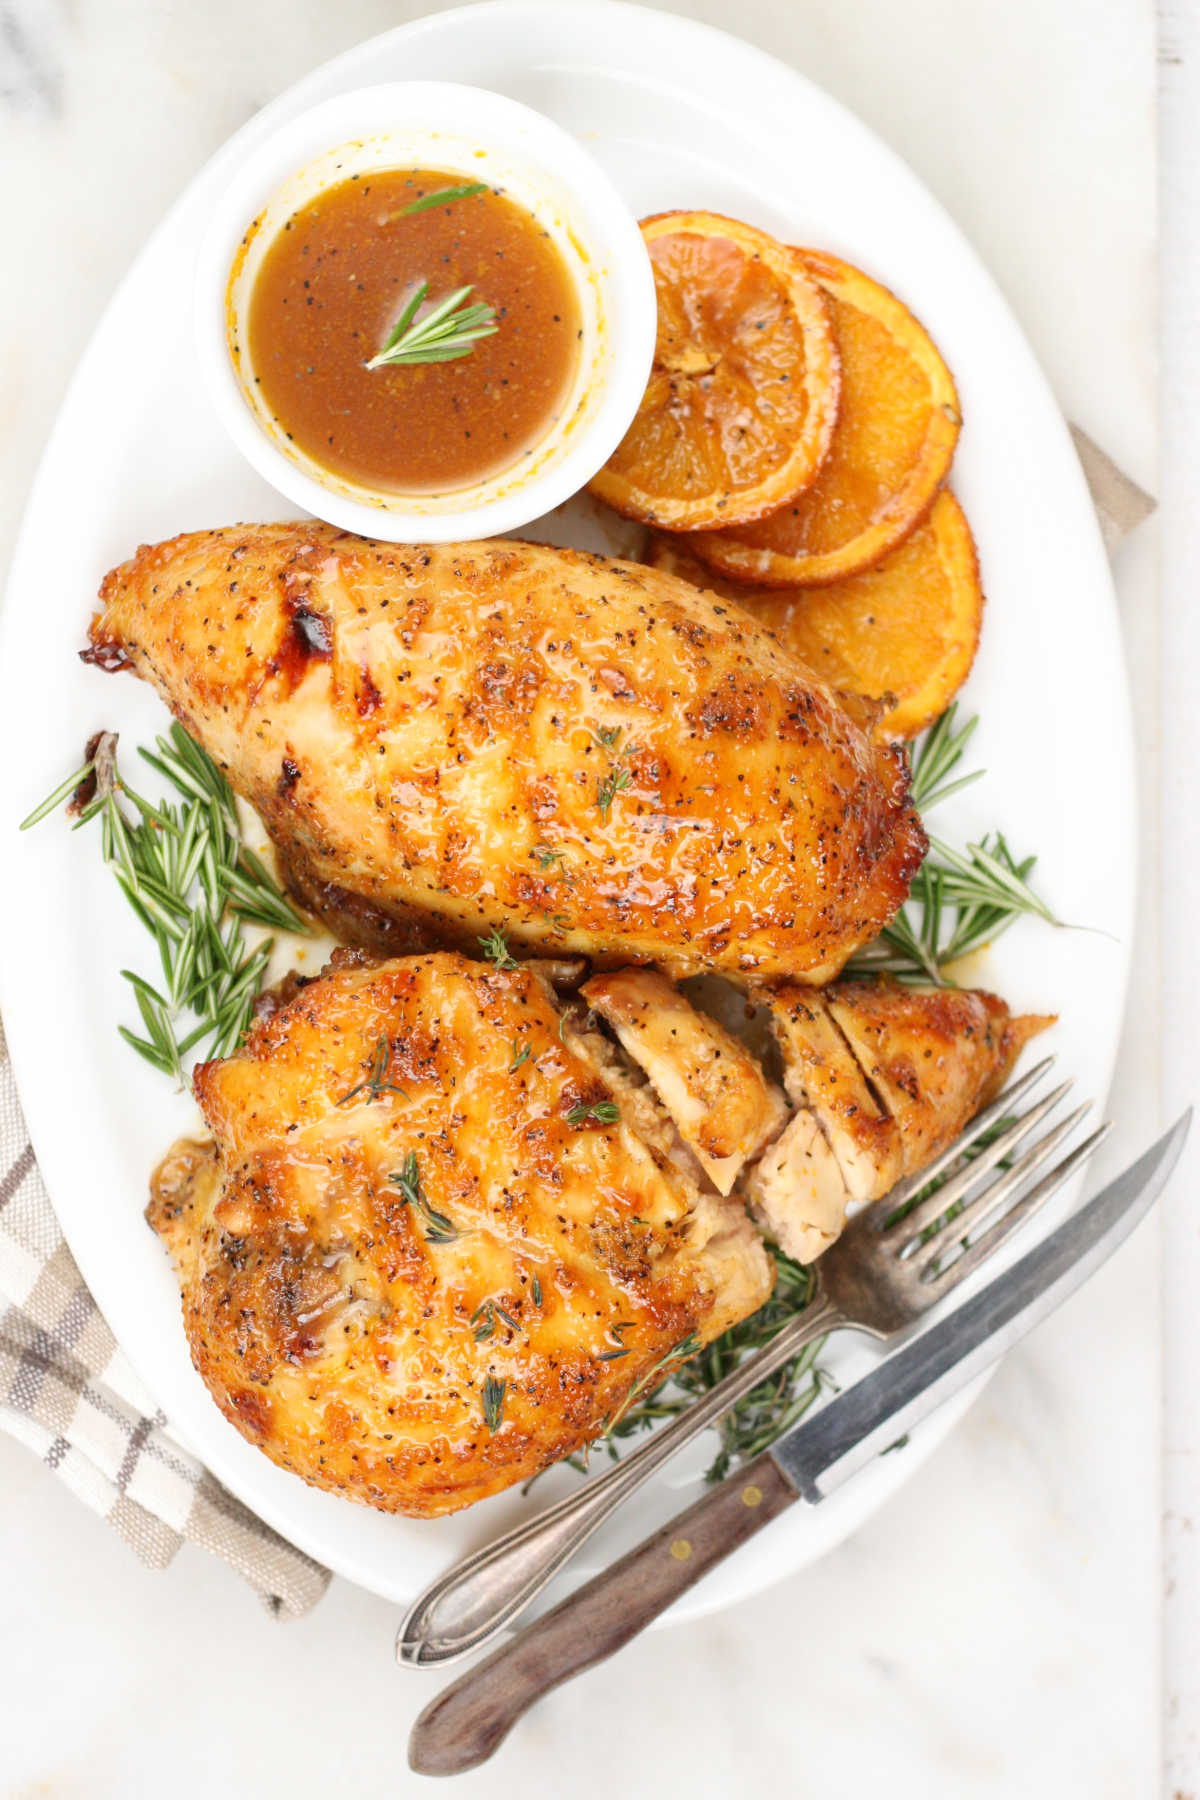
(436, 125)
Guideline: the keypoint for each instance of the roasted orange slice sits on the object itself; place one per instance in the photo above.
(739, 410)
(904, 632)
(898, 423)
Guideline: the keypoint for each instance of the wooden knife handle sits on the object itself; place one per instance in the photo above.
(468, 1720)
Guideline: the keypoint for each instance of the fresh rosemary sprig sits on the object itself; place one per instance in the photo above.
(63, 792)
(936, 756)
(959, 900)
(440, 197)
(957, 903)
(447, 331)
(193, 883)
(521, 1053)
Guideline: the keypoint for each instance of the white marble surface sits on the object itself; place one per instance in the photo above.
(997, 1632)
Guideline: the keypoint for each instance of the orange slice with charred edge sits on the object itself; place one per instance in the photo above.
(898, 423)
(904, 632)
(739, 410)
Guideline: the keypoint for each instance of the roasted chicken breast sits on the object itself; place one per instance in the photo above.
(425, 1254)
(590, 755)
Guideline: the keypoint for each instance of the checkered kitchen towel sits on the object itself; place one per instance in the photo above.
(67, 1391)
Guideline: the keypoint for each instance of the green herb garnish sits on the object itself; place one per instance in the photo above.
(376, 1081)
(438, 1228)
(604, 1112)
(959, 900)
(680, 1377)
(448, 331)
(61, 793)
(192, 883)
(607, 789)
(545, 855)
(495, 948)
(536, 1291)
(493, 1402)
(519, 1056)
(440, 197)
(934, 759)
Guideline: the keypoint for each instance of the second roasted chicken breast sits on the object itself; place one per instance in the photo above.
(426, 1253)
(590, 755)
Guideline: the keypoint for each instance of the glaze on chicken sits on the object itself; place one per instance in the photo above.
(590, 755)
(426, 1253)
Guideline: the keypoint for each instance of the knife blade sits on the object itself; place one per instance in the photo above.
(822, 1452)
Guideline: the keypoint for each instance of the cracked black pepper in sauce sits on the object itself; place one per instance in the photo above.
(334, 282)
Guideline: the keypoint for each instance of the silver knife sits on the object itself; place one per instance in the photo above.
(462, 1727)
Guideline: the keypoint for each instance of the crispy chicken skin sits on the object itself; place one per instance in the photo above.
(590, 754)
(883, 1078)
(410, 1218)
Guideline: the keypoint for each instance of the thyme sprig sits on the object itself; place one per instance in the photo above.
(608, 787)
(600, 1112)
(483, 1320)
(192, 882)
(439, 1229)
(377, 1079)
(446, 332)
(495, 948)
(492, 1401)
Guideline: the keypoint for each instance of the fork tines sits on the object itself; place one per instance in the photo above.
(926, 1234)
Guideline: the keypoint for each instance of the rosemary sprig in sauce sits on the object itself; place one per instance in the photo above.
(192, 883)
(439, 197)
(446, 332)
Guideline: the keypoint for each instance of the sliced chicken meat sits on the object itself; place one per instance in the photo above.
(934, 1059)
(721, 1103)
(822, 1073)
(883, 1079)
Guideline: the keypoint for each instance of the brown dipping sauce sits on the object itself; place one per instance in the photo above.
(337, 278)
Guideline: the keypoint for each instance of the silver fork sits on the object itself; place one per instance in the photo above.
(890, 1265)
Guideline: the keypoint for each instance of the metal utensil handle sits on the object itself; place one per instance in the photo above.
(470, 1718)
(468, 1605)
